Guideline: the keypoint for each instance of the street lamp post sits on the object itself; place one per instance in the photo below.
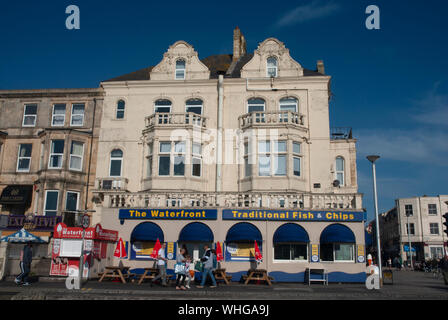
(409, 241)
(372, 159)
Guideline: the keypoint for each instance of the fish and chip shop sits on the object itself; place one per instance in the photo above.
(290, 241)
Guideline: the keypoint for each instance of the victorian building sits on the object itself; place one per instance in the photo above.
(232, 149)
(48, 147)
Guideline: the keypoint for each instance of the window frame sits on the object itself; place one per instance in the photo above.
(20, 158)
(272, 154)
(290, 244)
(71, 156)
(407, 209)
(268, 67)
(431, 208)
(410, 227)
(296, 155)
(118, 109)
(333, 244)
(431, 228)
(50, 167)
(196, 156)
(32, 115)
(164, 154)
(184, 69)
(336, 171)
(77, 199)
(45, 202)
(77, 115)
(53, 115)
(116, 159)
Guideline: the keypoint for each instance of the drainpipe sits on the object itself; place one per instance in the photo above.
(90, 155)
(219, 135)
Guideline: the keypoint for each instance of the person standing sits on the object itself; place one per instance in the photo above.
(189, 271)
(161, 265)
(26, 257)
(181, 260)
(207, 260)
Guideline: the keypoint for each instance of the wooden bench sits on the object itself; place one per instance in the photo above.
(316, 275)
(220, 274)
(120, 273)
(151, 273)
(257, 275)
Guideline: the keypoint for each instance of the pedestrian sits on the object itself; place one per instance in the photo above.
(161, 265)
(389, 263)
(26, 257)
(189, 271)
(207, 260)
(180, 269)
(445, 269)
(400, 262)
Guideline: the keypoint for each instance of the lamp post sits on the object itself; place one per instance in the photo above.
(409, 240)
(372, 159)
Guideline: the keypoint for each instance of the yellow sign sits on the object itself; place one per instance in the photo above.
(361, 253)
(315, 249)
(170, 247)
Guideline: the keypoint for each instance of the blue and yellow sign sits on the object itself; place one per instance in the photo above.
(270, 215)
(167, 214)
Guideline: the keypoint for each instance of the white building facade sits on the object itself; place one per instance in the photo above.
(231, 149)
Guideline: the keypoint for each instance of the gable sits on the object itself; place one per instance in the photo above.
(257, 66)
(181, 50)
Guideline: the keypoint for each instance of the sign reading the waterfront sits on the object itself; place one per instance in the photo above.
(168, 214)
(270, 215)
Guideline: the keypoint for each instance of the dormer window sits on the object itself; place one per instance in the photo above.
(180, 69)
(272, 67)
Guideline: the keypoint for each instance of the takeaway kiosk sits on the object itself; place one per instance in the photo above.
(99, 246)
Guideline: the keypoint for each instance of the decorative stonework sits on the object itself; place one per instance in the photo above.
(195, 69)
(271, 47)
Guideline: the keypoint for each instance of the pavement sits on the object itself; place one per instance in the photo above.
(407, 285)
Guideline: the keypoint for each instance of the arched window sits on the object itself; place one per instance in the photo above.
(340, 170)
(143, 240)
(272, 67)
(162, 106)
(180, 69)
(116, 161)
(194, 105)
(241, 238)
(121, 105)
(291, 243)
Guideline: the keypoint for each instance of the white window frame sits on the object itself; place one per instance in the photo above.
(298, 156)
(20, 158)
(56, 154)
(77, 199)
(272, 154)
(119, 110)
(59, 115)
(34, 116)
(430, 229)
(165, 154)
(179, 154)
(149, 157)
(77, 115)
(429, 209)
(116, 159)
(336, 172)
(76, 156)
(268, 67)
(306, 260)
(184, 70)
(45, 202)
(197, 156)
(412, 210)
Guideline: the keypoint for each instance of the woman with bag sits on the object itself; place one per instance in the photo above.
(180, 268)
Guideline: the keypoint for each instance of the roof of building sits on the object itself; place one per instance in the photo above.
(221, 63)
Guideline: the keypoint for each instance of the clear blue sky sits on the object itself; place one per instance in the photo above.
(390, 85)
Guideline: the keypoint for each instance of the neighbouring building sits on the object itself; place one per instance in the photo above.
(48, 147)
(232, 148)
(418, 220)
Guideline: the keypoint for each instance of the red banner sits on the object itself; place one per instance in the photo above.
(61, 231)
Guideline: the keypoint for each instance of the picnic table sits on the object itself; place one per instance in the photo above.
(151, 273)
(220, 274)
(120, 273)
(258, 275)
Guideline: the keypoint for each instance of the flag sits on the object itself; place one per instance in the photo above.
(120, 251)
(258, 256)
(219, 257)
(155, 251)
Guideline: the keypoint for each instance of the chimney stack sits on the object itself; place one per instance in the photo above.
(239, 44)
(320, 66)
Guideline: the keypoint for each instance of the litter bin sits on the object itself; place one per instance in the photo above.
(388, 277)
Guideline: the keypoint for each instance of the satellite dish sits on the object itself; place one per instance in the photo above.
(336, 183)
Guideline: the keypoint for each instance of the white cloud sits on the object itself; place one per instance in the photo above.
(429, 147)
(314, 10)
(432, 109)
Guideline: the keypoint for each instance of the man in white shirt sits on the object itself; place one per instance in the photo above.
(161, 265)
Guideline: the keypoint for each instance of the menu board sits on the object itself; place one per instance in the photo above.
(70, 248)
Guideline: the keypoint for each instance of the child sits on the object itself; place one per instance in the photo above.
(189, 271)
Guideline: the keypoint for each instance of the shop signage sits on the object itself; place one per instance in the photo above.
(271, 215)
(314, 253)
(361, 254)
(167, 214)
(36, 223)
(61, 231)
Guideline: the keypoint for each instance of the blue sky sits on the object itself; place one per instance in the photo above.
(390, 85)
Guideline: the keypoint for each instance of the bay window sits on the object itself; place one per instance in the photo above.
(24, 158)
(56, 154)
(51, 203)
(76, 155)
